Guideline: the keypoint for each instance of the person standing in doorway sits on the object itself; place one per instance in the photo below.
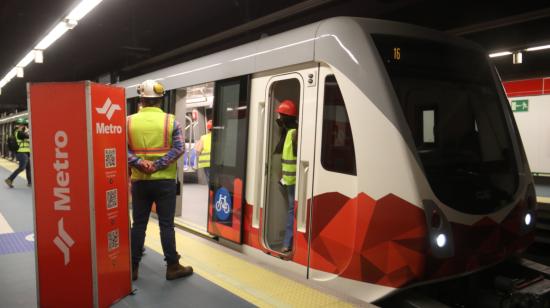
(203, 150)
(22, 151)
(287, 121)
(155, 143)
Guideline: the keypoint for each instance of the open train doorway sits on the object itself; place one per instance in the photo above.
(194, 110)
(278, 211)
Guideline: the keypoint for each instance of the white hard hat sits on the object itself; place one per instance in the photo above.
(150, 88)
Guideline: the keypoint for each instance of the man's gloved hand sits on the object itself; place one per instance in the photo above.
(146, 166)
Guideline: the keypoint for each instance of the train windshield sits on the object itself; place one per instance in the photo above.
(450, 99)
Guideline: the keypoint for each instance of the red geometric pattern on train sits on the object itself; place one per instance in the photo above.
(377, 241)
(385, 241)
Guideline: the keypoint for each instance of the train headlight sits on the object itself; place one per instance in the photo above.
(441, 240)
(528, 219)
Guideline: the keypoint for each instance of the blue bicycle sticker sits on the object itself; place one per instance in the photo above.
(222, 204)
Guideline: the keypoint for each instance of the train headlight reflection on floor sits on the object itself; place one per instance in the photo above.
(528, 219)
(441, 240)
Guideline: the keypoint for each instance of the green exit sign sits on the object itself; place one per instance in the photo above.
(520, 105)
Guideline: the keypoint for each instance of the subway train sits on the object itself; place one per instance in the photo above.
(7, 127)
(410, 168)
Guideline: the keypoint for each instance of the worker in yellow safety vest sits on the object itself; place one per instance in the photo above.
(22, 151)
(287, 121)
(203, 148)
(155, 142)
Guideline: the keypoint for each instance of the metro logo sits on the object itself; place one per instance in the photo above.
(108, 109)
(63, 241)
(107, 129)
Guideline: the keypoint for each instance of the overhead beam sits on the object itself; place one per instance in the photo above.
(249, 26)
(502, 22)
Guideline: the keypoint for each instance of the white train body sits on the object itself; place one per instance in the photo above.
(403, 208)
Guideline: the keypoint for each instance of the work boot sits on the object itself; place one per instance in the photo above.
(176, 270)
(9, 183)
(135, 268)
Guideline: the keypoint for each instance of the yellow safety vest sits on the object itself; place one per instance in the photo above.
(24, 144)
(289, 160)
(204, 158)
(150, 137)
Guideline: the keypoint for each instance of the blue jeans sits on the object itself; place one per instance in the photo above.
(163, 193)
(289, 230)
(24, 164)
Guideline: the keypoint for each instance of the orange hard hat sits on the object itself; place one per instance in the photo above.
(209, 125)
(287, 107)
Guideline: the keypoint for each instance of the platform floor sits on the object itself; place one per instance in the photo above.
(223, 277)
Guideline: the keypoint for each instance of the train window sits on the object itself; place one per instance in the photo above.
(229, 98)
(338, 151)
(428, 123)
(449, 94)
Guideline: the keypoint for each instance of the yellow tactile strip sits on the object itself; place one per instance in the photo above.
(247, 280)
(543, 199)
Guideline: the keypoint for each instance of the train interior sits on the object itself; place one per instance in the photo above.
(6, 130)
(193, 110)
(276, 205)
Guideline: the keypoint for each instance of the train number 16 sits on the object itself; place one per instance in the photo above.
(397, 53)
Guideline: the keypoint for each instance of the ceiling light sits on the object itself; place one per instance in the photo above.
(82, 9)
(9, 76)
(19, 72)
(517, 57)
(26, 60)
(38, 56)
(500, 54)
(538, 48)
(56, 33)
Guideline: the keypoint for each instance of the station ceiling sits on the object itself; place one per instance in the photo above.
(125, 38)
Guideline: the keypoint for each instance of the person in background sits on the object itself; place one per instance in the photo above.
(287, 121)
(23, 153)
(203, 150)
(155, 142)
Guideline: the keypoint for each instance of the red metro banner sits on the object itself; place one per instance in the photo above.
(78, 133)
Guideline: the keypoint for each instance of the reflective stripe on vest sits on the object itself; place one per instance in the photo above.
(204, 158)
(289, 160)
(24, 144)
(150, 137)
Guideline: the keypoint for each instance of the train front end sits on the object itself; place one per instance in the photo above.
(439, 157)
(482, 201)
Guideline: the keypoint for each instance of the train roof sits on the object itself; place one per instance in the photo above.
(340, 41)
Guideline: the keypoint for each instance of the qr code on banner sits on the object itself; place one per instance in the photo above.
(112, 198)
(113, 239)
(110, 158)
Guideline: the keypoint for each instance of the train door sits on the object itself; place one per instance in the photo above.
(300, 88)
(333, 215)
(228, 158)
(193, 110)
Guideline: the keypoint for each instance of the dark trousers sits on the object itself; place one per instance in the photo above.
(24, 164)
(163, 193)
